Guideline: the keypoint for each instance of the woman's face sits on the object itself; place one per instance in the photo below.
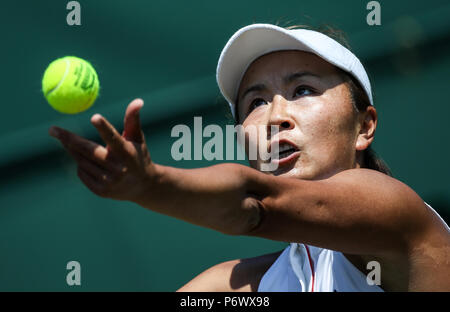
(310, 103)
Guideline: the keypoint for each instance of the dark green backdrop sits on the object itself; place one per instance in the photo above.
(166, 53)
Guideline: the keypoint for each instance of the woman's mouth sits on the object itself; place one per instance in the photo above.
(286, 153)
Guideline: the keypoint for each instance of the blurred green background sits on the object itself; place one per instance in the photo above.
(166, 52)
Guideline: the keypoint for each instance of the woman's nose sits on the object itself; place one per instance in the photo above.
(279, 114)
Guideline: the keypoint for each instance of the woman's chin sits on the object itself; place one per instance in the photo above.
(287, 172)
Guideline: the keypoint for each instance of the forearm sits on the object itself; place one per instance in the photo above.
(215, 197)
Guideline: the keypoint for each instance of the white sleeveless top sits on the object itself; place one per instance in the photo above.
(304, 268)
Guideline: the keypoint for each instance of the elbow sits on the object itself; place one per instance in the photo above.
(245, 221)
(253, 212)
(256, 215)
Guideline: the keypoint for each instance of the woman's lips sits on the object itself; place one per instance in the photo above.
(288, 159)
(283, 145)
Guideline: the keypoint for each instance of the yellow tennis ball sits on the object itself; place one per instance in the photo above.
(70, 85)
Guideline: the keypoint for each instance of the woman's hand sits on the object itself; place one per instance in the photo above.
(214, 197)
(123, 168)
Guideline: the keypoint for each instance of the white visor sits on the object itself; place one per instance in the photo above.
(253, 41)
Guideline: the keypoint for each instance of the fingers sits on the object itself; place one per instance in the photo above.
(99, 174)
(132, 123)
(90, 182)
(76, 144)
(108, 133)
(94, 177)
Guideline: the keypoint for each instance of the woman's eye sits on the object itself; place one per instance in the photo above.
(303, 90)
(256, 103)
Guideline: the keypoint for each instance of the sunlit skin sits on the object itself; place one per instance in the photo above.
(315, 112)
(322, 197)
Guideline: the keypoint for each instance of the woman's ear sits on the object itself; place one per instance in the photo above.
(367, 125)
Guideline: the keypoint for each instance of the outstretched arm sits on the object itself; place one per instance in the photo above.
(213, 197)
(356, 211)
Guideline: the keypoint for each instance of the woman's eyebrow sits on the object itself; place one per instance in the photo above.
(294, 76)
(254, 88)
(287, 79)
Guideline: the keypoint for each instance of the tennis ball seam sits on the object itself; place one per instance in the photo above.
(70, 85)
(66, 72)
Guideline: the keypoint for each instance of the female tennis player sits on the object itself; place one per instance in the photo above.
(330, 197)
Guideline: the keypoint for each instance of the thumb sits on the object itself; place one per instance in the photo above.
(132, 123)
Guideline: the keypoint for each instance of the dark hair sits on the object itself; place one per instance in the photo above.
(360, 100)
